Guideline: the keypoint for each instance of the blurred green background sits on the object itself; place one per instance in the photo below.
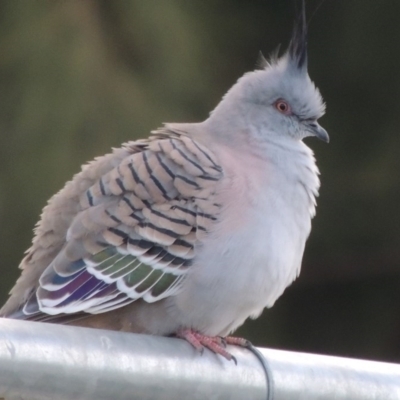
(80, 76)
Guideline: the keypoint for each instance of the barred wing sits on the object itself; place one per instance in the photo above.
(136, 231)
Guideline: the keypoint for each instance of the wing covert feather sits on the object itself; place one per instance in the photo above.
(134, 230)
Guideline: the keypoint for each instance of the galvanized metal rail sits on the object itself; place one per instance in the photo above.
(45, 361)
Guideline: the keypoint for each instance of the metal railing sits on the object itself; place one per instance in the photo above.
(53, 362)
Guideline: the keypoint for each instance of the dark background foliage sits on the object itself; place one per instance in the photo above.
(80, 76)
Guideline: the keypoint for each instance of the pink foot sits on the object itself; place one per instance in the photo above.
(237, 341)
(216, 344)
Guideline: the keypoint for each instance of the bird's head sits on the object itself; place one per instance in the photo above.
(279, 100)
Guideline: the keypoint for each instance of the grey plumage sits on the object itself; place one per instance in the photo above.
(131, 233)
(194, 229)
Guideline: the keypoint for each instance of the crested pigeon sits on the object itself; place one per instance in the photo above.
(190, 231)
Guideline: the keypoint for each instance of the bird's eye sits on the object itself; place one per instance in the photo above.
(283, 107)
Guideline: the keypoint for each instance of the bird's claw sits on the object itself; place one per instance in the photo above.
(217, 344)
(237, 341)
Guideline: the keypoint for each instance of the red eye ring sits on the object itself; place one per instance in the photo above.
(283, 107)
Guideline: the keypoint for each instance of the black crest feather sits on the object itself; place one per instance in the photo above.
(298, 43)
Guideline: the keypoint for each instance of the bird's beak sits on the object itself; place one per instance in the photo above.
(318, 131)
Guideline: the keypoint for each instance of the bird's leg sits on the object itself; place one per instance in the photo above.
(216, 344)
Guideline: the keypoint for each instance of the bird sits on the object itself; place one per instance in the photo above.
(193, 230)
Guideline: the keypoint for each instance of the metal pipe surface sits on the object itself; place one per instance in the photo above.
(55, 362)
